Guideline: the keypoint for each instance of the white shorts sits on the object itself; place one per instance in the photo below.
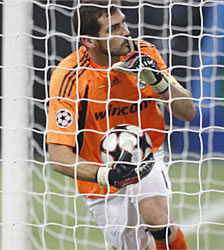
(118, 215)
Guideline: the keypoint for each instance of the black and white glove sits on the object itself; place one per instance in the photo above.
(150, 73)
(124, 172)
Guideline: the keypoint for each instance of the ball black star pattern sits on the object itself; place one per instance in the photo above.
(63, 118)
(111, 144)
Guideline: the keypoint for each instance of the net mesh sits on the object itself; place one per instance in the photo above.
(189, 36)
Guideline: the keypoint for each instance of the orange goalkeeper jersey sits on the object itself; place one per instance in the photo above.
(87, 99)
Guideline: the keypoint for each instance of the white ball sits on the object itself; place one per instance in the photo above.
(113, 142)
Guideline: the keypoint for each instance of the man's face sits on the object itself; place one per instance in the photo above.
(113, 26)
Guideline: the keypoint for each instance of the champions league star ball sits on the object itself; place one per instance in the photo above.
(63, 118)
(113, 142)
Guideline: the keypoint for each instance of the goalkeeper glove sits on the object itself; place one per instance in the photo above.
(150, 73)
(124, 173)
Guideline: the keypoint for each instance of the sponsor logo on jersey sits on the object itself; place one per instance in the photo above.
(117, 111)
(64, 118)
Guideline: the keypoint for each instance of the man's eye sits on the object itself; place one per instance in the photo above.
(116, 27)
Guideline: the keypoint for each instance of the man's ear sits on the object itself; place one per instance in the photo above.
(88, 42)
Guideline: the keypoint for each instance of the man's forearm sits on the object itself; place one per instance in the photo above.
(182, 108)
(65, 162)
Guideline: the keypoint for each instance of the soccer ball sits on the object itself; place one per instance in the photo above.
(112, 144)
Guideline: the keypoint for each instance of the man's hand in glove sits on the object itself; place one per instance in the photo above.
(149, 71)
(124, 172)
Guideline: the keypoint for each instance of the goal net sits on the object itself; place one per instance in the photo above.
(189, 36)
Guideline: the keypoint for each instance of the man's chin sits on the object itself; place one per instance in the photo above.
(124, 51)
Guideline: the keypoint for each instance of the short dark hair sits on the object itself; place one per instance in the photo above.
(88, 13)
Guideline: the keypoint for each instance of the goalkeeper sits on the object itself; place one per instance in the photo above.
(113, 79)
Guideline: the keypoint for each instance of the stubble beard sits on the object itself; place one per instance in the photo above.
(119, 52)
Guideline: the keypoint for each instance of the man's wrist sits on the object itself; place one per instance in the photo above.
(102, 176)
(161, 86)
(158, 82)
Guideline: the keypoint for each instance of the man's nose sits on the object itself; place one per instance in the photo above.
(126, 31)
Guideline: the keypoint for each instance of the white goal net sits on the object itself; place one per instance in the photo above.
(190, 37)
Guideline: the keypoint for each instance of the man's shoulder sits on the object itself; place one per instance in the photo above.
(73, 67)
(75, 59)
(149, 48)
(70, 65)
(144, 44)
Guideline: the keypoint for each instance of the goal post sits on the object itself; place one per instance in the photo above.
(16, 171)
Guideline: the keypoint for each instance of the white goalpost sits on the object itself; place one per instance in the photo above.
(41, 209)
(16, 170)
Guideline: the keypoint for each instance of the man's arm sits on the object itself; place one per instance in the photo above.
(183, 108)
(64, 155)
(121, 175)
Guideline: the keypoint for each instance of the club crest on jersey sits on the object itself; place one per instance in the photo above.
(141, 84)
(64, 118)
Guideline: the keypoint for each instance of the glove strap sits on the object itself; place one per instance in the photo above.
(102, 176)
(161, 86)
